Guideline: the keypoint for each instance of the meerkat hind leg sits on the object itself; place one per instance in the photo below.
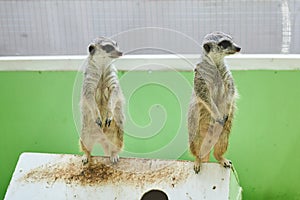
(195, 150)
(222, 144)
(220, 149)
(195, 144)
(115, 148)
(107, 146)
(205, 158)
(114, 143)
(86, 158)
(197, 165)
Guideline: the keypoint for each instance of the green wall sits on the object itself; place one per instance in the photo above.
(36, 116)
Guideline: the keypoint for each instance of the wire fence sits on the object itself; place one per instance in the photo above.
(65, 27)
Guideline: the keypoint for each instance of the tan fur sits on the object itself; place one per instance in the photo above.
(212, 105)
(101, 98)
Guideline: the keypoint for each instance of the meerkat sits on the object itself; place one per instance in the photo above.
(212, 104)
(101, 99)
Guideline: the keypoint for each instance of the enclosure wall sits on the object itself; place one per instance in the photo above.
(36, 116)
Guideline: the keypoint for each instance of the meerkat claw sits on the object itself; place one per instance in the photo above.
(99, 122)
(114, 159)
(225, 118)
(197, 169)
(107, 122)
(85, 160)
(227, 164)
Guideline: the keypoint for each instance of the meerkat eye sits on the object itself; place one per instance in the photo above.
(225, 44)
(108, 48)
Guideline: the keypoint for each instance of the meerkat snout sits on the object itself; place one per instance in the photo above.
(116, 54)
(238, 49)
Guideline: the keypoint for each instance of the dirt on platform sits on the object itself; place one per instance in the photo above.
(101, 172)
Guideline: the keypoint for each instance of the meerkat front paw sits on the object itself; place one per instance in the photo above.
(221, 120)
(226, 163)
(108, 121)
(99, 122)
(225, 118)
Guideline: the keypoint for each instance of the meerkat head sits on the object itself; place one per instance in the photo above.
(103, 49)
(217, 45)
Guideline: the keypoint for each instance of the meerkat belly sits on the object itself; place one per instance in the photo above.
(86, 113)
(216, 88)
(220, 94)
(102, 100)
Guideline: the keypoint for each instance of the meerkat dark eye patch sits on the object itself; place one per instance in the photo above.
(225, 44)
(108, 48)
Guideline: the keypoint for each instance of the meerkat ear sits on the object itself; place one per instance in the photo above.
(206, 47)
(92, 49)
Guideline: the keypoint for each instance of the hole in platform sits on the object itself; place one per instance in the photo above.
(154, 194)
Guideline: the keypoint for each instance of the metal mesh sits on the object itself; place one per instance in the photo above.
(65, 27)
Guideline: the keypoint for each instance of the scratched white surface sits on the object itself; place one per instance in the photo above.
(211, 183)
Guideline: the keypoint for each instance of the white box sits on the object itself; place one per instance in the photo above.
(51, 176)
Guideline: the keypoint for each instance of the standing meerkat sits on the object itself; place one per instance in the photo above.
(101, 99)
(212, 105)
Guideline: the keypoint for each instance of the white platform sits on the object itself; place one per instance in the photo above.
(51, 176)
